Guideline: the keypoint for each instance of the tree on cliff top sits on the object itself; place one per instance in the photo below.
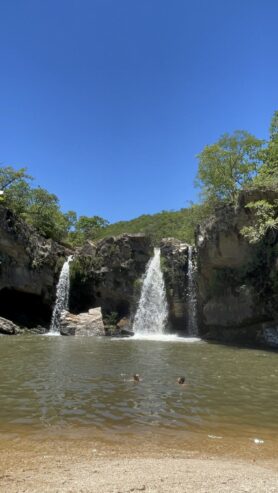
(87, 228)
(268, 174)
(41, 209)
(228, 165)
(15, 185)
(265, 212)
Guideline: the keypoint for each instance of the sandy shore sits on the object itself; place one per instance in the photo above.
(66, 467)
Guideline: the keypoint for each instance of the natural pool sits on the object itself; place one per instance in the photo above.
(82, 386)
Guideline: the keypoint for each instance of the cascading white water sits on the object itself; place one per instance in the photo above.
(152, 312)
(192, 295)
(62, 296)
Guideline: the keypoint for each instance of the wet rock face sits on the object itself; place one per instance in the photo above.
(174, 256)
(29, 268)
(237, 281)
(108, 273)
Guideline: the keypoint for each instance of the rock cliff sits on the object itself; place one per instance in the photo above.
(107, 275)
(174, 256)
(238, 281)
(29, 269)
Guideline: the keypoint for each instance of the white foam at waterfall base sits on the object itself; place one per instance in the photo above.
(152, 312)
(62, 297)
(162, 338)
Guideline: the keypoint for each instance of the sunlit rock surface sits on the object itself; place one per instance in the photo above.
(8, 327)
(83, 324)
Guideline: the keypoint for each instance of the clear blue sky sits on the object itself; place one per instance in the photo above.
(108, 101)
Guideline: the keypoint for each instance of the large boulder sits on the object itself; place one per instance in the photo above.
(237, 280)
(83, 324)
(7, 327)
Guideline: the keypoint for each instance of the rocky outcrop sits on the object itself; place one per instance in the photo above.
(7, 327)
(122, 329)
(108, 273)
(105, 274)
(237, 281)
(29, 269)
(83, 324)
(174, 255)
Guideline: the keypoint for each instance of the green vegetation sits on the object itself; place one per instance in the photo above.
(268, 173)
(41, 209)
(177, 224)
(264, 218)
(228, 166)
(265, 212)
(234, 162)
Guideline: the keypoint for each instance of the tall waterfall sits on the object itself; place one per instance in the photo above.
(152, 312)
(192, 295)
(62, 296)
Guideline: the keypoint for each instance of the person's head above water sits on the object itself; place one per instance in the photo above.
(136, 377)
(181, 380)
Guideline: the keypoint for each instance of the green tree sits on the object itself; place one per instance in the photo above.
(41, 209)
(44, 214)
(9, 177)
(268, 173)
(15, 188)
(228, 165)
(90, 226)
(86, 228)
(264, 219)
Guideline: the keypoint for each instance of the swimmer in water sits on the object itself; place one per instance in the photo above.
(136, 378)
(181, 381)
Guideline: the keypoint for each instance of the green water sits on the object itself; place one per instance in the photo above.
(72, 383)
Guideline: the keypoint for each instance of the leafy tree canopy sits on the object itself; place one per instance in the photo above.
(228, 165)
(268, 173)
(41, 209)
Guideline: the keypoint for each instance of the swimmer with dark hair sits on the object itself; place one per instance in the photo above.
(181, 381)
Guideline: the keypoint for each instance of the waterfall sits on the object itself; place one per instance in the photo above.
(192, 295)
(62, 296)
(152, 312)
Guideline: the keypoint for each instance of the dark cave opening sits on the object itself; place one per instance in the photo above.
(24, 309)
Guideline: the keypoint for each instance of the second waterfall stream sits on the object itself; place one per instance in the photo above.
(152, 311)
(62, 296)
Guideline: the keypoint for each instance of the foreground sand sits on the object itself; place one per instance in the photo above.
(28, 466)
(134, 475)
